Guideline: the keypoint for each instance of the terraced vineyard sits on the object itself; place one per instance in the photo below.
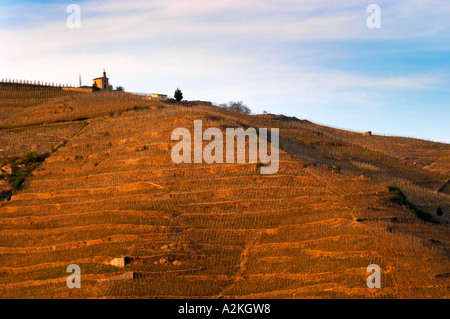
(109, 189)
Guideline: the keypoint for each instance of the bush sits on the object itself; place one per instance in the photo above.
(422, 214)
(401, 199)
(138, 108)
(95, 88)
(31, 156)
(338, 169)
(17, 177)
(23, 167)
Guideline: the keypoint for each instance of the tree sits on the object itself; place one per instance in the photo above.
(120, 88)
(95, 88)
(178, 95)
(238, 107)
(110, 87)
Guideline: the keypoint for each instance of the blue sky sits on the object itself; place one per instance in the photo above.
(313, 59)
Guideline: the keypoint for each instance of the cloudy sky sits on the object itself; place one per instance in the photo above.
(313, 59)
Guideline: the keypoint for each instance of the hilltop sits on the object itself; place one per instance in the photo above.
(94, 183)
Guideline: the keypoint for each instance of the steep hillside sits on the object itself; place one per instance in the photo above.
(107, 188)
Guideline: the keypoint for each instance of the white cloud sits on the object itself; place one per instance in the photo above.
(220, 47)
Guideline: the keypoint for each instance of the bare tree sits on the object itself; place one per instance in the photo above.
(238, 107)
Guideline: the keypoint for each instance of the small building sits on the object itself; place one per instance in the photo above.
(160, 97)
(103, 82)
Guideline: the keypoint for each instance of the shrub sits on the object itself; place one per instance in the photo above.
(17, 177)
(30, 156)
(138, 108)
(394, 190)
(401, 199)
(95, 88)
(422, 214)
(23, 167)
(338, 169)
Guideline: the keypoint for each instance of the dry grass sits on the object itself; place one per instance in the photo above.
(209, 231)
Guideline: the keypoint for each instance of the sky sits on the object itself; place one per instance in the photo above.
(312, 59)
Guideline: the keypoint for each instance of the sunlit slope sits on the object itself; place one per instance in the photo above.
(200, 230)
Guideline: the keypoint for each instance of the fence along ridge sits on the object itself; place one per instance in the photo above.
(36, 83)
